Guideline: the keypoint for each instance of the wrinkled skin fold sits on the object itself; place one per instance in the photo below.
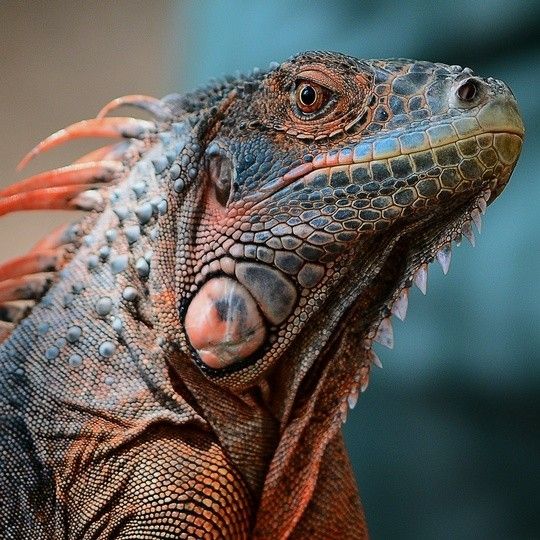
(178, 364)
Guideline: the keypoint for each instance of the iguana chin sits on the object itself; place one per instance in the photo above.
(178, 363)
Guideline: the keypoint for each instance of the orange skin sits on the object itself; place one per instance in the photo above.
(223, 323)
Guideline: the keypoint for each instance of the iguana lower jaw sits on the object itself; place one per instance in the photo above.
(430, 239)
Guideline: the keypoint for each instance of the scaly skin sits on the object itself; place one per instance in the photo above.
(179, 363)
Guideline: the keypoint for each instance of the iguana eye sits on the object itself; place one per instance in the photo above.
(310, 97)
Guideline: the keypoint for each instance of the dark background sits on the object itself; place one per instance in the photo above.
(445, 443)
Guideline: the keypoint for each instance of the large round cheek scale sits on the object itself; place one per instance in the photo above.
(223, 323)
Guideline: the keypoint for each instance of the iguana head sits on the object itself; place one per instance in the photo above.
(297, 206)
(255, 238)
(326, 187)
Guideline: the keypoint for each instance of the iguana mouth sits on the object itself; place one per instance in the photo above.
(349, 162)
(347, 159)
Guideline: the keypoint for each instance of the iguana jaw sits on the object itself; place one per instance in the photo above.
(404, 262)
(422, 244)
(419, 246)
(435, 238)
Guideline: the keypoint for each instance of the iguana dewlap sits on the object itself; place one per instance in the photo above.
(178, 363)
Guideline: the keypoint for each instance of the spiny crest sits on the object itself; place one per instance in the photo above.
(82, 184)
(24, 280)
(211, 94)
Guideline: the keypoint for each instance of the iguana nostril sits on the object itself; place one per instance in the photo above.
(468, 90)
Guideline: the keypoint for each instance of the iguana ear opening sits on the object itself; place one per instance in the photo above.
(221, 172)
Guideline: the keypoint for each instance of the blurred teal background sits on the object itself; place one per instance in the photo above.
(446, 442)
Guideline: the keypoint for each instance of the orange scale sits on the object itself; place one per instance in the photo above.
(223, 323)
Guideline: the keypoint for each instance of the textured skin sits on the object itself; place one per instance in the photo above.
(133, 405)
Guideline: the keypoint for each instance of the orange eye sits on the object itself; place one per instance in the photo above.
(310, 97)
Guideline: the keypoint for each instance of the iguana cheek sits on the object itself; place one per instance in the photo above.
(223, 323)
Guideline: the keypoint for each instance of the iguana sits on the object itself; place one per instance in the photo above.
(178, 363)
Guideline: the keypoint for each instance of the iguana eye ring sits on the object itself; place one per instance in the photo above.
(310, 97)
